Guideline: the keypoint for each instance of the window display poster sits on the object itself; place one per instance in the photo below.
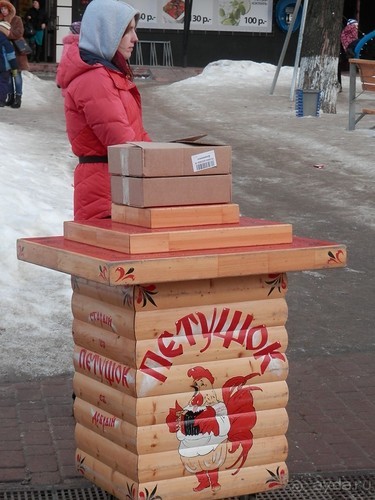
(208, 15)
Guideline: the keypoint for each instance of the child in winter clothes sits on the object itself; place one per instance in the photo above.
(8, 61)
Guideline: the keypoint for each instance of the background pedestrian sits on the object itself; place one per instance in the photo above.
(37, 18)
(8, 62)
(8, 13)
(349, 37)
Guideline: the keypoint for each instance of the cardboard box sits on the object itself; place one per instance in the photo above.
(171, 191)
(169, 159)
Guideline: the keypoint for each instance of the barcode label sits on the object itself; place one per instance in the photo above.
(203, 161)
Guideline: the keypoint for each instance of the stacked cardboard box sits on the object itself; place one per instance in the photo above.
(173, 197)
(154, 174)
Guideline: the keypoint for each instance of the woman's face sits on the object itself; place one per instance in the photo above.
(4, 11)
(128, 41)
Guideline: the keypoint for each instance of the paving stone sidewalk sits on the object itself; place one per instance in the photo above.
(331, 410)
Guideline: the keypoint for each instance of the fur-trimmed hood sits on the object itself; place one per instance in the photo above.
(11, 8)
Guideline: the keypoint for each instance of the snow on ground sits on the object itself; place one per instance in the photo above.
(36, 198)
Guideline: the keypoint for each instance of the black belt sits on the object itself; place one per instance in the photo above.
(93, 159)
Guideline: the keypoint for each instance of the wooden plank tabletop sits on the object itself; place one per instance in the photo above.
(131, 239)
(119, 269)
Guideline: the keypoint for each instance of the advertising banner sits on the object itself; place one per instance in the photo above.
(207, 15)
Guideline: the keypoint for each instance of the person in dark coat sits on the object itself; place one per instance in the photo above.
(8, 61)
(37, 17)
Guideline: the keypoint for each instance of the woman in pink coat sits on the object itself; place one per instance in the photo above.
(102, 103)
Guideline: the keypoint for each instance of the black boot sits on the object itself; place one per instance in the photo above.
(9, 100)
(17, 101)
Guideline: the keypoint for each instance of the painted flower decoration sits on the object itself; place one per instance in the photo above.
(125, 275)
(142, 495)
(145, 294)
(80, 464)
(277, 478)
(278, 281)
(335, 258)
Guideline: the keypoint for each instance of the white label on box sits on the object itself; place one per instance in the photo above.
(202, 161)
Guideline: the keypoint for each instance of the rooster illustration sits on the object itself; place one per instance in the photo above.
(208, 428)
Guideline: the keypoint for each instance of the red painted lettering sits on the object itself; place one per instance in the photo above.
(168, 350)
(227, 334)
(221, 324)
(185, 324)
(99, 317)
(100, 420)
(256, 334)
(205, 329)
(125, 372)
(103, 367)
(150, 370)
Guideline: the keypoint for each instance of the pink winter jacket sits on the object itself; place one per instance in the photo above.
(102, 108)
(348, 35)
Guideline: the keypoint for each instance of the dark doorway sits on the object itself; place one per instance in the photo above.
(49, 42)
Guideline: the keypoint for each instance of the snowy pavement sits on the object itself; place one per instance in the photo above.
(275, 178)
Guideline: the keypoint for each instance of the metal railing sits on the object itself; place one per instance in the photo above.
(156, 50)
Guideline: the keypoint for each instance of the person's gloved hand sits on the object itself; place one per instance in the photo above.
(14, 72)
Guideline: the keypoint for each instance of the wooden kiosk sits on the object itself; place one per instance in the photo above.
(179, 317)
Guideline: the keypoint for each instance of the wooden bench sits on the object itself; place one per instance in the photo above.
(366, 70)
